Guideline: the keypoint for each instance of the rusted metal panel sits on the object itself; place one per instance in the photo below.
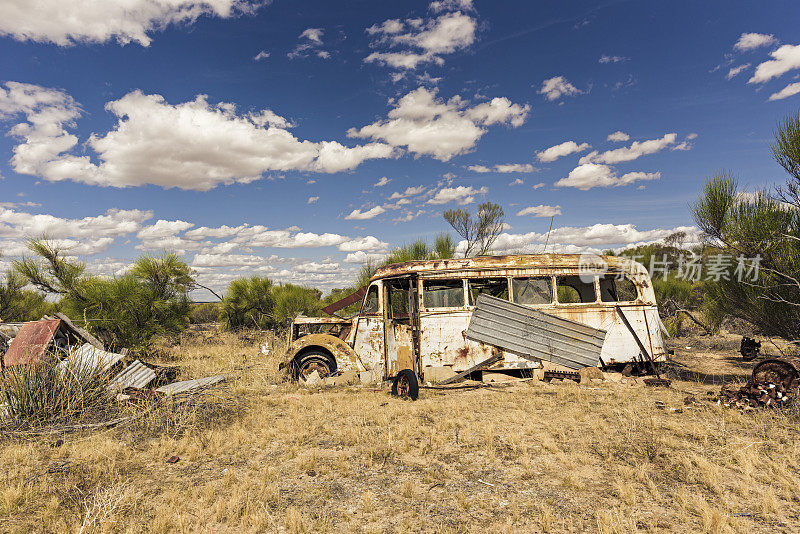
(31, 342)
(136, 375)
(619, 346)
(330, 309)
(88, 358)
(322, 320)
(368, 344)
(188, 385)
(532, 333)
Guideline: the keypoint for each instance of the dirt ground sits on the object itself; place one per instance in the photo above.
(526, 457)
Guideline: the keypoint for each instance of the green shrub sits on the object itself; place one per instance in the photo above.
(126, 311)
(18, 304)
(257, 302)
(208, 312)
(248, 303)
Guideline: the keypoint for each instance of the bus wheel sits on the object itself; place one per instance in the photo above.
(406, 385)
(314, 361)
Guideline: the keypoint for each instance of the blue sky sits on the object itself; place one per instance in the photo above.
(297, 139)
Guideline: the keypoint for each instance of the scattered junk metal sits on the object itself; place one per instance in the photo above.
(36, 338)
(749, 348)
(429, 318)
(188, 385)
(136, 375)
(775, 382)
(78, 350)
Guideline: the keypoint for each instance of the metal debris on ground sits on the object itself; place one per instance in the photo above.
(749, 348)
(34, 339)
(189, 385)
(775, 382)
(561, 375)
(136, 375)
(77, 350)
(88, 358)
(655, 382)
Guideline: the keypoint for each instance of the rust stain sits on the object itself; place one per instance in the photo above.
(31, 342)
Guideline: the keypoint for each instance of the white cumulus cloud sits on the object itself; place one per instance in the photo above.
(364, 257)
(750, 41)
(540, 211)
(589, 175)
(790, 90)
(369, 244)
(425, 124)
(193, 145)
(558, 86)
(67, 22)
(405, 44)
(784, 59)
(635, 151)
(564, 149)
(735, 71)
(503, 168)
(310, 42)
(611, 59)
(461, 195)
(358, 215)
(618, 137)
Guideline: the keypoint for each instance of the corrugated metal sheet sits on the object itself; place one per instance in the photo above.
(136, 375)
(31, 341)
(89, 358)
(534, 333)
(188, 385)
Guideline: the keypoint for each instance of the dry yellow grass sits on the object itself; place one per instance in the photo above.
(528, 458)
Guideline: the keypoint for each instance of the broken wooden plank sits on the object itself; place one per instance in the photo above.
(80, 331)
(485, 363)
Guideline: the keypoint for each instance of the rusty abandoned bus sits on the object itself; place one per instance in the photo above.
(414, 315)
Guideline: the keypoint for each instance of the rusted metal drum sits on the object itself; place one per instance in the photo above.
(784, 371)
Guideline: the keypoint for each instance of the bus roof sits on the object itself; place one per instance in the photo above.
(521, 261)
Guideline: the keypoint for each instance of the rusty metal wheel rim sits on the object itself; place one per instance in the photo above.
(314, 365)
(403, 386)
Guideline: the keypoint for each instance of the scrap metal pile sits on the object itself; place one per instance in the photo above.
(775, 382)
(57, 336)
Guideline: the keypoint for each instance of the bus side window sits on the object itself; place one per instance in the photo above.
(617, 289)
(495, 287)
(370, 306)
(443, 293)
(572, 289)
(532, 290)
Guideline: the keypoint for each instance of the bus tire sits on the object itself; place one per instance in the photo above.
(406, 385)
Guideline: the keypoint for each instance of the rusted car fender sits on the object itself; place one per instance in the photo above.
(346, 358)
